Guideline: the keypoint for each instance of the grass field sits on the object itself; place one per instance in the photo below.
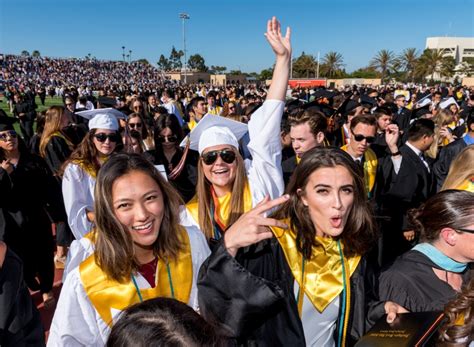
(48, 102)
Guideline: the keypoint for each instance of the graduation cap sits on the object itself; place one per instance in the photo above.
(367, 101)
(448, 102)
(315, 106)
(213, 131)
(107, 101)
(102, 118)
(324, 93)
(6, 123)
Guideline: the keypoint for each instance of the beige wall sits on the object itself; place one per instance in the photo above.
(221, 80)
(192, 77)
(468, 81)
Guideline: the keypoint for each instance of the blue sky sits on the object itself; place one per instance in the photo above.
(228, 32)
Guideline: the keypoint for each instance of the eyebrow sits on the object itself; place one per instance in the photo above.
(126, 199)
(321, 185)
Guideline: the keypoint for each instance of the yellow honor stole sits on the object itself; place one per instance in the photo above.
(370, 168)
(298, 159)
(106, 294)
(467, 185)
(322, 275)
(69, 143)
(192, 124)
(222, 207)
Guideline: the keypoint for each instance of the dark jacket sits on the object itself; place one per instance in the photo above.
(446, 157)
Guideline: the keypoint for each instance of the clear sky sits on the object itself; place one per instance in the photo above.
(228, 32)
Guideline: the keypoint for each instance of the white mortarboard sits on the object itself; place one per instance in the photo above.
(446, 103)
(423, 103)
(213, 131)
(103, 118)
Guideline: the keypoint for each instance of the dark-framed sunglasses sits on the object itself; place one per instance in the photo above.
(102, 137)
(8, 134)
(359, 138)
(470, 231)
(170, 138)
(227, 155)
(135, 125)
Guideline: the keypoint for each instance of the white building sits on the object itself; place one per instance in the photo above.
(457, 47)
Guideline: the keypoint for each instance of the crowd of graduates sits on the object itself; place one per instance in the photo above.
(283, 217)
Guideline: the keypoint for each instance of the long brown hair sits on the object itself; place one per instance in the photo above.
(359, 232)
(52, 125)
(461, 169)
(203, 191)
(114, 251)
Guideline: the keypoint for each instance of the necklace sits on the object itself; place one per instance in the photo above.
(170, 281)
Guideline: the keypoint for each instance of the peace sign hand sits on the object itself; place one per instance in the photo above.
(252, 227)
(280, 45)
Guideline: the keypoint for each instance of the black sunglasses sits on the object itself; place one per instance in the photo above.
(133, 125)
(10, 133)
(102, 137)
(227, 155)
(359, 138)
(470, 231)
(170, 138)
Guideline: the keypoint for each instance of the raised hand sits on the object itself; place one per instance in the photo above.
(392, 134)
(252, 227)
(280, 45)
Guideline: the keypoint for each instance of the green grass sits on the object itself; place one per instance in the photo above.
(48, 102)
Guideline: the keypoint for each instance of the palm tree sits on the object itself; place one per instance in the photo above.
(25, 53)
(36, 53)
(407, 61)
(430, 63)
(384, 61)
(332, 63)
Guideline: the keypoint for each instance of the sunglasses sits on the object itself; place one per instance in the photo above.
(102, 137)
(133, 125)
(470, 231)
(170, 138)
(359, 138)
(227, 155)
(9, 134)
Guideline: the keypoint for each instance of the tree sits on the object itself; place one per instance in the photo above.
(304, 66)
(197, 62)
(217, 69)
(448, 67)
(266, 74)
(235, 72)
(143, 61)
(407, 61)
(25, 53)
(163, 63)
(175, 59)
(36, 54)
(383, 61)
(430, 63)
(365, 72)
(332, 64)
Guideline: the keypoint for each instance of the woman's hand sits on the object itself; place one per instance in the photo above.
(7, 166)
(280, 45)
(252, 226)
(392, 309)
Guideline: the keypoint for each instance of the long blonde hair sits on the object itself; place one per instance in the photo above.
(52, 125)
(441, 119)
(461, 169)
(203, 191)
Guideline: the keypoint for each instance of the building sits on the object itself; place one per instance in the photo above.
(191, 76)
(223, 79)
(460, 48)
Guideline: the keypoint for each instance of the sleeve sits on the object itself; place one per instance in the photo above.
(441, 166)
(76, 201)
(265, 173)
(6, 186)
(231, 295)
(74, 322)
(57, 152)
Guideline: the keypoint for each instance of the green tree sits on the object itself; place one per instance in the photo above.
(266, 74)
(25, 53)
(365, 72)
(217, 69)
(304, 66)
(197, 62)
(235, 72)
(143, 61)
(448, 67)
(407, 61)
(332, 64)
(384, 62)
(163, 63)
(36, 54)
(430, 64)
(175, 59)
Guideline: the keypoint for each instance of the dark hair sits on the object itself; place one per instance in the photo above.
(359, 232)
(383, 111)
(316, 120)
(366, 119)
(447, 209)
(114, 252)
(167, 121)
(194, 101)
(419, 128)
(162, 322)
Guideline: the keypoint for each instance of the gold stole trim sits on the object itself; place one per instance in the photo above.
(370, 168)
(69, 143)
(86, 167)
(467, 185)
(224, 205)
(106, 294)
(192, 124)
(298, 159)
(322, 278)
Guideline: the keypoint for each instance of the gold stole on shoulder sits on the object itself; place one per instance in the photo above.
(69, 143)
(467, 185)
(370, 168)
(106, 294)
(222, 206)
(322, 279)
(86, 167)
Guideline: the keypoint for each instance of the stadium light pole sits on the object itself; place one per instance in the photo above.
(123, 53)
(184, 16)
(130, 53)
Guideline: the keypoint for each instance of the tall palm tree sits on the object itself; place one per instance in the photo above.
(383, 61)
(407, 61)
(430, 63)
(332, 63)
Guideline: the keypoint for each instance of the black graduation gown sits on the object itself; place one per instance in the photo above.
(402, 118)
(288, 166)
(446, 157)
(57, 152)
(20, 323)
(411, 283)
(252, 297)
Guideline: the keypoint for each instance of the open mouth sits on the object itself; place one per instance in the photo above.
(220, 171)
(143, 228)
(336, 221)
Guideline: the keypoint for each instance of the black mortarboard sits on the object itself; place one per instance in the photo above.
(367, 101)
(325, 109)
(6, 123)
(293, 104)
(106, 101)
(323, 93)
(420, 111)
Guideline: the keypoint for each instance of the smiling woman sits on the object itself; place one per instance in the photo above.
(141, 252)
